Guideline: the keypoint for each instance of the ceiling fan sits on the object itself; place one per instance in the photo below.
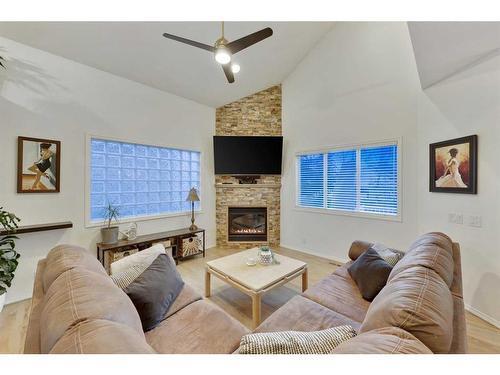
(223, 49)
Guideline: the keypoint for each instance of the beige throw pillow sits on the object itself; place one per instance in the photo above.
(391, 256)
(144, 256)
(124, 278)
(294, 342)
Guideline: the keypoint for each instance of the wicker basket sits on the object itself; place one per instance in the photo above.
(117, 255)
(190, 246)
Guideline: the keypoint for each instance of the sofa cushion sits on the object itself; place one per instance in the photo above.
(295, 342)
(154, 290)
(433, 238)
(339, 292)
(303, 314)
(199, 328)
(388, 340)
(358, 247)
(79, 295)
(418, 301)
(101, 337)
(430, 255)
(65, 257)
(370, 273)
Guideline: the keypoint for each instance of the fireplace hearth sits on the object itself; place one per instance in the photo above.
(247, 224)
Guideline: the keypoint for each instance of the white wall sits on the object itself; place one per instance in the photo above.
(358, 84)
(46, 96)
(467, 104)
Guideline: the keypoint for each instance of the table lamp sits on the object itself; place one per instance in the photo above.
(192, 197)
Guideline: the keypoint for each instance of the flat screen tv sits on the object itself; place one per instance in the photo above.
(240, 155)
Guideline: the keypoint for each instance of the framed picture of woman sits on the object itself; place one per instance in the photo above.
(38, 165)
(453, 166)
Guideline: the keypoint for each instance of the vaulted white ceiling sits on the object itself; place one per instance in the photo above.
(443, 49)
(138, 51)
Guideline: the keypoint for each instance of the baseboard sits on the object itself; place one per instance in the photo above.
(481, 315)
(329, 257)
(210, 245)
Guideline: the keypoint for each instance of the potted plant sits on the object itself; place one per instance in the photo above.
(8, 256)
(110, 233)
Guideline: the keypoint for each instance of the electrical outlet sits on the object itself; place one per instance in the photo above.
(456, 218)
(474, 221)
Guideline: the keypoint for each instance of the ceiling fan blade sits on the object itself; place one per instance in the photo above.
(242, 43)
(190, 42)
(228, 72)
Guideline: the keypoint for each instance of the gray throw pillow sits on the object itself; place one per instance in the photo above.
(154, 291)
(370, 273)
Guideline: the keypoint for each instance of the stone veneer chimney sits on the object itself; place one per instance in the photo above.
(257, 114)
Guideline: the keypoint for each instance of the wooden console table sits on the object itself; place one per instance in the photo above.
(145, 241)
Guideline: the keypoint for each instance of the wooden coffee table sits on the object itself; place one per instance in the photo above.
(254, 280)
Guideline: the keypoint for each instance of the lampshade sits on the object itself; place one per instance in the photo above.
(193, 196)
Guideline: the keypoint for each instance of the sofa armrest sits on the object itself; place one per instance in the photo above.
(358, 247)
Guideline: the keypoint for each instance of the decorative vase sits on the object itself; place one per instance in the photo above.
(109, 235)
(2, 301)
(265, 256)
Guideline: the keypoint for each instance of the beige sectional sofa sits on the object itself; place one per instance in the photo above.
(76, 308)
(420, 310)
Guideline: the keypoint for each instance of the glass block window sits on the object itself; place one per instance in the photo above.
(141, 180)
(362, 179)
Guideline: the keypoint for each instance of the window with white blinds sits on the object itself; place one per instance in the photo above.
(311, 180)
(362, 179)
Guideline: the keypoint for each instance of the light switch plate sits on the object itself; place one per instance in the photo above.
(474, 221)
(456, 218)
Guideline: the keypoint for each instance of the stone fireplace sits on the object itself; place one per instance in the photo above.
(248, 215)
(246, 224)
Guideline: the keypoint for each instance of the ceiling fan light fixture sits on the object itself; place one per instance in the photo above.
(223, 50)
(235, 68)
(222, 55)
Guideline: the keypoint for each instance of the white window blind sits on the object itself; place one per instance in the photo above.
(362, 179)
(379, 179)
(341, 188)
(311, 180)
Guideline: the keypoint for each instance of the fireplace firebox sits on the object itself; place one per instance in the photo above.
(247, 224)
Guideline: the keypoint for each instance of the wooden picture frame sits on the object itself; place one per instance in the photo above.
(453, 166)
(38, 165)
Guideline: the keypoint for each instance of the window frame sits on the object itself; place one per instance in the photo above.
(345, 147)
(89, 223)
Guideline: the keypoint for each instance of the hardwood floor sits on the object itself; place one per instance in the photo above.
(483, 337)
